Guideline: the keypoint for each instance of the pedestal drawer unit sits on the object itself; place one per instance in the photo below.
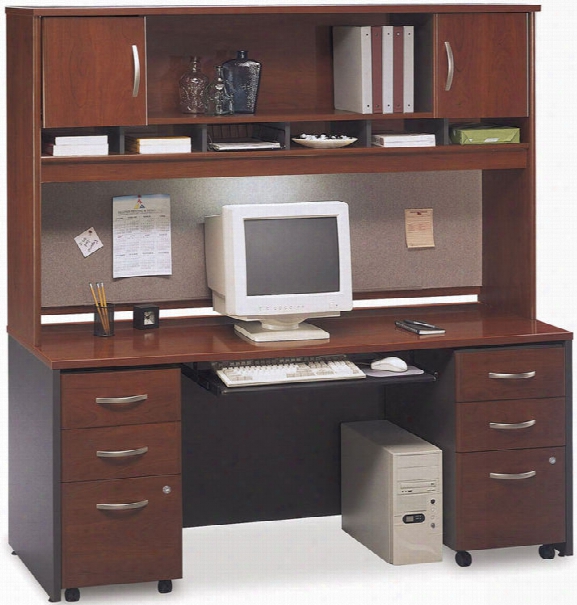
(121, 477)
(509, 461)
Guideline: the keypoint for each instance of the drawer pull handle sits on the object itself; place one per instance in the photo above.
(129, 506)
(131, 399)
(512, 426)
(510, 476)
(121, 453)
(512, 376)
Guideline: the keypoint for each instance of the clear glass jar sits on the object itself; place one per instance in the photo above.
(219, 100)
(192, 89)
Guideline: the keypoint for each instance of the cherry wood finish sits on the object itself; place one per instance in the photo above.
(80, 390)
(88, 11)
(479, 512)
(88, 71)
(79, 447)
(210, 339)
(113, 547)
(294, 161)
(494, 513)
(487, 48)
(474, 431)
(23, 45)
(475, 384)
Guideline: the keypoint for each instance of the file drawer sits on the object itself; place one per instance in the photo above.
(523, 373)
(135, 537)
(91, 399)
(124, 451)
(510, 424)
(510, 498)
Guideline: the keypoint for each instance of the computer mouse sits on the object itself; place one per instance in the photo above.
(391, 364)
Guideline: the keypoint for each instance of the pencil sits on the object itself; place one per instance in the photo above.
(97, 304)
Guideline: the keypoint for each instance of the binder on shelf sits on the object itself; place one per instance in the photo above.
(352, 68)
(377, 67)
(403, 69)
(408, 68)
(387, 68)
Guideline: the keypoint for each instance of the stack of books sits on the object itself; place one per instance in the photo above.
(158, 144)
(74, 145)
(373, 68)
(403, 140)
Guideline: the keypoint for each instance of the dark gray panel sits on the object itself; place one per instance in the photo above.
(34, 466)
(265, 456)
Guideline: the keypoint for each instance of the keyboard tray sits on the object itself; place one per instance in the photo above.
(208, 380)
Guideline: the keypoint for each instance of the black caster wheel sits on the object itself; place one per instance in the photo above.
(547, 551)
(72, 594)
(463, 558)
(164, 586)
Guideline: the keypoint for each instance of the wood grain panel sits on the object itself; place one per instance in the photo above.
(490, 57)
(23, 188)
(89, 72)
(79, 447)
(80, 390)
(113, 547)
(494, 513)
(474, 367)
(475, 434)
(211, 339)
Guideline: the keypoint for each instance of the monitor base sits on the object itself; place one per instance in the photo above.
(254, 331)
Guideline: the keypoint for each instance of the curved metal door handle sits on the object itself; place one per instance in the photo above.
(136, 61)
(513, 476)
(450, 66)
(512, 426)
(121, 453)
(129, 506)
(131, 399)
(522, 375)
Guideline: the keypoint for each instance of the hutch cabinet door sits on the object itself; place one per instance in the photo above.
(94, 71)
(482, 65)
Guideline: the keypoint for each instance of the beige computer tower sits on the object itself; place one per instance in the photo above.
(391, 492)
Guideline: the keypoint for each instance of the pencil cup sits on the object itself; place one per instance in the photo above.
(104, 320)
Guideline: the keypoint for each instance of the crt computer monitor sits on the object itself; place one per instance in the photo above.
(271, 266)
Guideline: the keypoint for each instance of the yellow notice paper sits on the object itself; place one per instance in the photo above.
(419, 228)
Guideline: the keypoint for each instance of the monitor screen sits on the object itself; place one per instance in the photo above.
(272, 266)
(291, 255)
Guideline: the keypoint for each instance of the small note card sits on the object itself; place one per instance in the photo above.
(88, 242)
(419, 228)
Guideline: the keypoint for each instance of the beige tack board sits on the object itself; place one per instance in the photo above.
(381, 260)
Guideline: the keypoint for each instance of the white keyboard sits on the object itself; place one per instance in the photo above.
(295, 369)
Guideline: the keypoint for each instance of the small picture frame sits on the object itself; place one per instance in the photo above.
(145, 317)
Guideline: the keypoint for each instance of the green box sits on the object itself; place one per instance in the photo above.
(484, 134)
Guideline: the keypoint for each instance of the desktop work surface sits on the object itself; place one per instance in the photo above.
(120, 439)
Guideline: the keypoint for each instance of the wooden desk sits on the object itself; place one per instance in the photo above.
(60, 375)
(55, 391)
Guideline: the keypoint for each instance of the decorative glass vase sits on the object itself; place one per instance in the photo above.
(192, 89)
(243, 76)
(219, 100)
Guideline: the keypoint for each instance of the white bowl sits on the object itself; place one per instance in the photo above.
(324, 143)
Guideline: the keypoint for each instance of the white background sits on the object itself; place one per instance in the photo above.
(312, 561)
